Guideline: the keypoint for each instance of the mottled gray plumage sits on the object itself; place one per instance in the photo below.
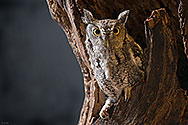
(116, 59)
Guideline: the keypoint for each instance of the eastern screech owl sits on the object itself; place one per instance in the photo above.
(116, 59)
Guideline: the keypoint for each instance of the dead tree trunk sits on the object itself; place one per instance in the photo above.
(161, 28)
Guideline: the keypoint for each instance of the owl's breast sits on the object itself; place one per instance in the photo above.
(113, 66)
(121, 69)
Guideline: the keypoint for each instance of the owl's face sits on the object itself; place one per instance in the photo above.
(108, 33)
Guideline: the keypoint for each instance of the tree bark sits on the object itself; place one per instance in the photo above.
(160, 27)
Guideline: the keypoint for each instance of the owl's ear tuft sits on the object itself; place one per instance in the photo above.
(87, 16)
(123, 16)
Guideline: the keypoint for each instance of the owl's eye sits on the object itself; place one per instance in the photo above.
(96, 32)
(116, 31)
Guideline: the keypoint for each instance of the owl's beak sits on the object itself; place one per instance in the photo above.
(107, 43)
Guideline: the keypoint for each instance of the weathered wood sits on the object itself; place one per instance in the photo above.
(161, 98)
(183, 15)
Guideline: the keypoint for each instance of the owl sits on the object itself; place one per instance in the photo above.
(116, 59)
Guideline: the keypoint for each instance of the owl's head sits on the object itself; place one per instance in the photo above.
(110, 33)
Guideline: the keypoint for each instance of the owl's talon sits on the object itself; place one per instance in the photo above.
(104, 114)
(127, 93)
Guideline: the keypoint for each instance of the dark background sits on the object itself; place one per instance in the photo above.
(40, 79)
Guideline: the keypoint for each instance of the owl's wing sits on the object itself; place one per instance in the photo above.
(136, 50)
(138, 54)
